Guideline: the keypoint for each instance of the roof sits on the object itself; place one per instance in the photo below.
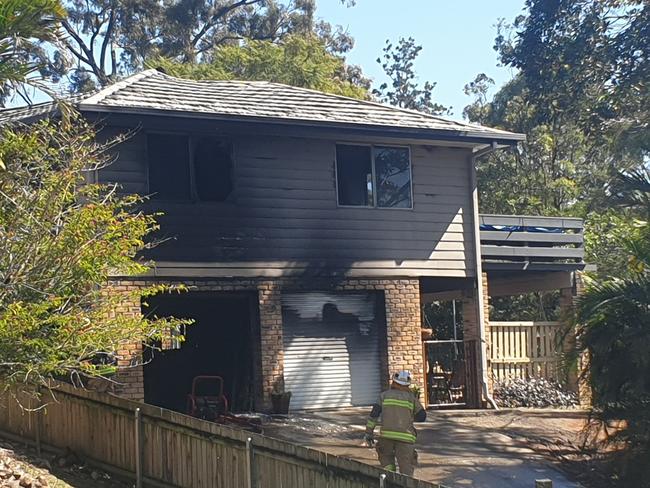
(153, 92)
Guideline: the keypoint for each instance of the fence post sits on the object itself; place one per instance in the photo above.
(138, 448)
(543, 484)
(249, 463)
(382, 481)
(37, 421)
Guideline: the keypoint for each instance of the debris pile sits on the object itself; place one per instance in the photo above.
(533, 392)
(14, 474)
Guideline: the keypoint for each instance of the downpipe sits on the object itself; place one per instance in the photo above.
(479, 273)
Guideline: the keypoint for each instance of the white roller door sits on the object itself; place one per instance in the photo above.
(331, 349)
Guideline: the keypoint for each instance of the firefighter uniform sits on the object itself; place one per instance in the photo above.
(396, 410)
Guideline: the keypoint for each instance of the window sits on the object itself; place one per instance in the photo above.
(169, 167)
(212, 170)
(185, 168)
(354, 175)
(373, 176)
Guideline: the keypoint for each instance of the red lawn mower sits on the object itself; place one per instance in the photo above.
(208, 402)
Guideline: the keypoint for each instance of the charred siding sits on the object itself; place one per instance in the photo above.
(283, 214)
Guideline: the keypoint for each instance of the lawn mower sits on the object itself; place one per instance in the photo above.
(207, 402)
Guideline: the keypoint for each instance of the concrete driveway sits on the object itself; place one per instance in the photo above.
(455, 449)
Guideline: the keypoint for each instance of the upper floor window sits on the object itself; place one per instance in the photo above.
(188, 168)
(373, 176)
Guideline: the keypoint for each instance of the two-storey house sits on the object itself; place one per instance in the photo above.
(307, 228)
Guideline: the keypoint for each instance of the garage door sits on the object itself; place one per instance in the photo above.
(331, 349)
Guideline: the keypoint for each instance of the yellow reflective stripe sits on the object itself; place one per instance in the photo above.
(397, 436)
(390, 467)
(371, 424)
(398, 403)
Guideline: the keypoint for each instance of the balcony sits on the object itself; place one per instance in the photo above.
(523, 243)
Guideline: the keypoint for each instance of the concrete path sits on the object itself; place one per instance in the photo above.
(455, 454)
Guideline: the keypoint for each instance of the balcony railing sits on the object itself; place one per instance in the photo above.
(510, 242)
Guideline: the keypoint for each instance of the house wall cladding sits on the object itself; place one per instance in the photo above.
(402, 348)
(282, 217)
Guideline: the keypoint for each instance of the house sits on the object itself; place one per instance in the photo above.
(310, 228)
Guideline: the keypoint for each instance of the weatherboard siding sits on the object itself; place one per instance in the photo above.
(283, 218)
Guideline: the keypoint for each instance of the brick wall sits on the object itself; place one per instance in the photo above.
(401, 346)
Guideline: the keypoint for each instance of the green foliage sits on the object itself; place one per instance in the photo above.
(24, 26)
(530, 306)
(297, 60)
(62, 238)
(439, 316)
(403, 90)
(614, 329)
(113, 38)
(580, 96)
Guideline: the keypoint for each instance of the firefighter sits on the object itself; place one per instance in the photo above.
(398, 408)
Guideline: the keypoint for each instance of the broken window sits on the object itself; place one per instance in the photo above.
(212, 169)
(377, 176)
(354, 174)
(170, 176)
(169, 169)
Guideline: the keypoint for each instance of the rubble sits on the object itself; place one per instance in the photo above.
(533, 392)
(13, 473)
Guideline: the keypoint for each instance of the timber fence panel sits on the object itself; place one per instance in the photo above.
(525, 350)
(175, 449)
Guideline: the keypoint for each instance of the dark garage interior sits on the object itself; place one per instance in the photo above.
(221, 342)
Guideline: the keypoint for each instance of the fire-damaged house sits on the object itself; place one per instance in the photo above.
(309, 230)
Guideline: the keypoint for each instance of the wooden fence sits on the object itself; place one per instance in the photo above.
(525, 350)
(164, 448)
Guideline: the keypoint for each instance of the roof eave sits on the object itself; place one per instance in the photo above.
(478, 137)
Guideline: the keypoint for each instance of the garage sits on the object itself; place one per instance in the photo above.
(332, 348)
(221, 342)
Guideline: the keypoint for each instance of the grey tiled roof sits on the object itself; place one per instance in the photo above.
(153, 92)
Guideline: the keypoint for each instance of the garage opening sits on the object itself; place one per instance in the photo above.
(332, 348)
(221, 342)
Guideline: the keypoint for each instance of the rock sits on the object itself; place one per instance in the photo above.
(95, 475)
(26, 481)
(42, 480)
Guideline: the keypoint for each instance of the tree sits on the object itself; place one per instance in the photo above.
(614, 329)
(112, 38)
(301, 61)
(580, 97)
(62, 238)
(403, 90)
(25, 25)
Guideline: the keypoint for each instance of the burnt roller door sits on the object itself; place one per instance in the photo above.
(331, 348)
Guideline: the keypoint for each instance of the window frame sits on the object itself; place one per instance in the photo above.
(192, 139)
(372, 147)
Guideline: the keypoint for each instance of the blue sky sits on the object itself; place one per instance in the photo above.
(456, 37)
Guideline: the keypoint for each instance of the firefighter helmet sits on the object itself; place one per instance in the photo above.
(403, 378)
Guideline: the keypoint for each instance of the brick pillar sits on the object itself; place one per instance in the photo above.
(488, 337)
(270, 308)
(130, 375)
(404, 328)
(472, 339)
(577, 376)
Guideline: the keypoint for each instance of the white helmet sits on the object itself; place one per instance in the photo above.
(403, 378)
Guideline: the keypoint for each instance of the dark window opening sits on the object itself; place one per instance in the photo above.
(169, 169)
(212, 170)
(376, 176)
(354, 175)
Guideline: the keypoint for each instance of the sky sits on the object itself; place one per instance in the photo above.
(457, 39)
